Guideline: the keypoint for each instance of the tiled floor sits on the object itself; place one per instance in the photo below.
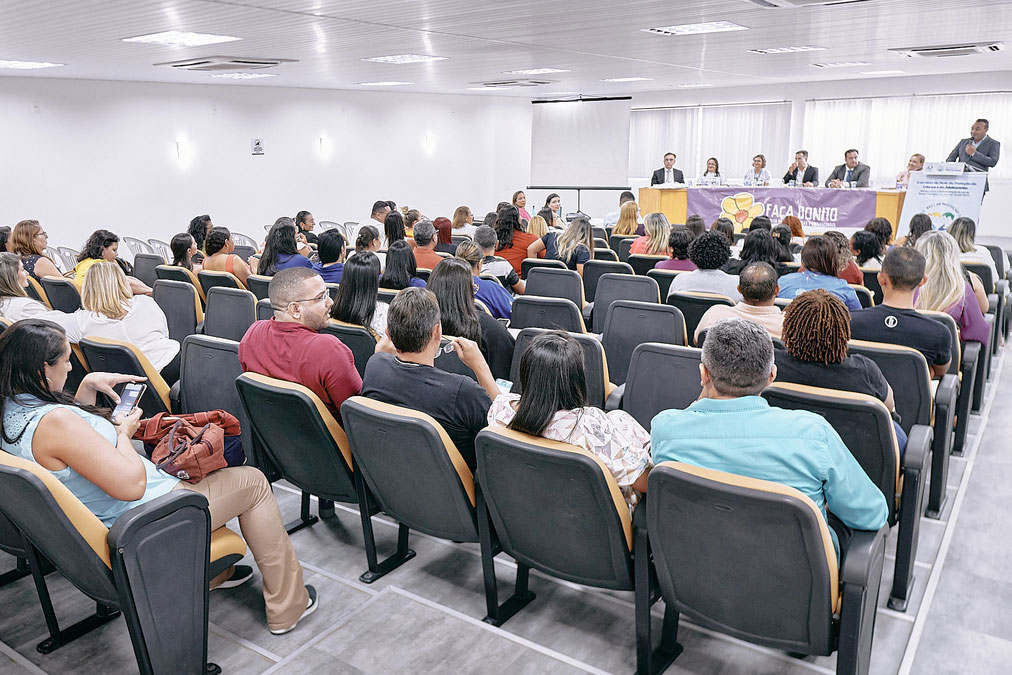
(425, 616)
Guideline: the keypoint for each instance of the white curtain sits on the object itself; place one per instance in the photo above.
(731, 133)
(888, 130)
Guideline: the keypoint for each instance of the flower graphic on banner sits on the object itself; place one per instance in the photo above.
(740, 209)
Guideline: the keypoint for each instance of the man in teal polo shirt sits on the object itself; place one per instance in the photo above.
(731, 428)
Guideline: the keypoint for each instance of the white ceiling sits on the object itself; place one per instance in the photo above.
(595, 39)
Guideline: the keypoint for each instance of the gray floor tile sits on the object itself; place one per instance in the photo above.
(948, 649)
(973, 602)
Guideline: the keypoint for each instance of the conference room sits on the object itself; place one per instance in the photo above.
(318, 134)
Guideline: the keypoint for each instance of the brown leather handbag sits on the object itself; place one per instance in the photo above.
(190, 453)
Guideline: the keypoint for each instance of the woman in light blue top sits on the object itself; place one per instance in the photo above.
(759, 175)
(819, 262)
(93, 456)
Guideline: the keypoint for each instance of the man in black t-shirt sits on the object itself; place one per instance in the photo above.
(896, 321)
(402, 371)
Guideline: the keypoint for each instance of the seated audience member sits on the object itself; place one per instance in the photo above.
(629, 222)
(793, 447)
(357, 301)
(368, 241)
(330, 250)
(376, 220)
(513, 241)
(393, 229)
(29, 241)
(611, 219)
(847, 269)
(111, 310)
(425, 246)
(401, 269)
(199, 228)
(949, 288)
(548, 216)
(896, 321)
(444, 238)
(288, 346)
(220, 248)
(554, 406)
(867, 250)
(491, 293)
(411, 217)
(403, 372)
(883, 230)
(964, 231)
(92, 455)
(757, 284)
(305, 223)
(486, 238)
(782, 240)
(520, 201)
(761, 223)
(915, 163)
(5, 239)
(797, 231)
(15, 304)
(820, 262)
(709, 252)
(696, 225)
(463, 221)
(104, 245)
(281, 250)
(184, 248)
(554, 204)
(919, 224)
(453, 285)
(758, 246)
(537, 227)
(574, 246)
(490, 219)
(678, 245)
(724, 227)
(655, 241)
(816, 332)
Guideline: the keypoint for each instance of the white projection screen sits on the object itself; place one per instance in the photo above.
(581, 143)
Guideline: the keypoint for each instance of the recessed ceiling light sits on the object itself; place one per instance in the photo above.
(692, 85)
(243, 76)
(786, 50)
(627, 79)
(839, 64)
(28, 65)
(388, 83)
(401, 59)
(882, 72)
(536, 71)
(695, 28)
(487, 88)
(182, 39)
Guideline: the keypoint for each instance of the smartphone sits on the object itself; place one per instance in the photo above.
(505, 386)
(129, 398)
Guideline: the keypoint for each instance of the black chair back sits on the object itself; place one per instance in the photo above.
(265, 311)
(144, 267)
(173, 273)
(1000, 261)
(555, 313)
(209, 280)
(180, 303)
(595, 364)
(907, 373)
(663, 279)
(864, 295)
(257, 285)
(593, 270)
(612, 287)
(230, 312)
(605, 254)
(642, 264)
(872, 284)
(555, 283)
(615, 241)
(243, 251)
(631, 323)
(984, 272)
(624, 248)
(530, 263)
(112, 356)
(661, 377)
(356, 338)
(694, 306)
(62, 294)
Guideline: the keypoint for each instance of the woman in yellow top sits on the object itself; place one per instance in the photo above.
(103, 245)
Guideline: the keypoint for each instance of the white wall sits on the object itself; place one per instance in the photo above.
(79, 154)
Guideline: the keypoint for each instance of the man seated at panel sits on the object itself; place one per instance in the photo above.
(801, 172)
(611, 219)
(668, 174)
(731, 428)
(757, 284)
(710, 252)
(851, 171)
(895, 321)
(403, 372)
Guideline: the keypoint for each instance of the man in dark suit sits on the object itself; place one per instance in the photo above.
(851, 171)
(669, 174)
(801, 172)
(979, 152)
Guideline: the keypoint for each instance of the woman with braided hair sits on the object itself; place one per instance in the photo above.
(815, 333)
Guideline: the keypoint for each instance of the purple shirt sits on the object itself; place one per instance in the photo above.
(968, 316)
(673, 264)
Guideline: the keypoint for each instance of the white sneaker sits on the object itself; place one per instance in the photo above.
(310, 608)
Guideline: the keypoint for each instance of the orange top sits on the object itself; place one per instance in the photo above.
(516, 253)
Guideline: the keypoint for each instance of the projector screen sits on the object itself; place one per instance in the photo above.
(581, 143)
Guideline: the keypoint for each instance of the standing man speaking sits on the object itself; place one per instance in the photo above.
(979, 152)
(669, 174)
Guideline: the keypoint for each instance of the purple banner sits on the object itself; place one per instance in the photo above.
(815, 207)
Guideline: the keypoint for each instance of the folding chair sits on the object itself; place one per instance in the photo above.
(964, 367)
(555, 283)
(358, 339)
(209, 280)
(137, 245)
(694, 305)
(595, 364)
(612, 287)
(230, 312)
(555, 313)
(631, 323)
(664, 278)
(258, 285)
(530, 263)
(173, 273)
(864, 295)
(161, 248)
(62, 294)
(115, 356)
(180, 303)
(144, 267)
(660, 377)
(642, 264)
(593, 270)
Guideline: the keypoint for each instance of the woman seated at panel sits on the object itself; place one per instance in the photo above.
(712, 173)
(628, 221)
(678, 245)
(92, 455)
(847, 268)
(401, 268)
(111, 310)
(356, 302)
(820, 261)
(490, 293)
(452, 282)
(29, 241)
(103, 245)
(951, 289)
(815, 333)
(183, 249)
(281, 250)
(554, 405)
(655, 241)
(574, 246)
(15, 304)
(220, 248)
(758, 175)
(867, 250)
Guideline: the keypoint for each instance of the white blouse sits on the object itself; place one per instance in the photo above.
(17, 308)
(144, 326)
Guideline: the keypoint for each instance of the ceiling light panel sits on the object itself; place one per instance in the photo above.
(627, 79)
(385, 83)
(839, 64)
(883, 72)
(28, 65)
(177, 38)
(693, 85)
(536, 71)
(787, 50)
(401, 59)
(696, 28)
(243, 76)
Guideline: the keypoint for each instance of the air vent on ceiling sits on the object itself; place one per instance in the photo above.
(771, 4)
(219, 64)
(509, 84)
(951, 50)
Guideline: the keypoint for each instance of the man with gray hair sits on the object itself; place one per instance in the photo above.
(500, 268)
(731, 428)
(424, 233)
(758, 286)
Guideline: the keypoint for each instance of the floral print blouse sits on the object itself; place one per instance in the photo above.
(615, 438)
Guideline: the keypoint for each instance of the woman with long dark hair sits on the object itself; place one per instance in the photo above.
(281, 250)
(452, 283)
(104, 245)
(513, 241)
(758, 246)
(401, 268)
(554, 204)
(867, 250)
(520, 201)
(820, 266)
(356, 302)
(183, 249)
(782, 238)
(554, 405)
(393, 229)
